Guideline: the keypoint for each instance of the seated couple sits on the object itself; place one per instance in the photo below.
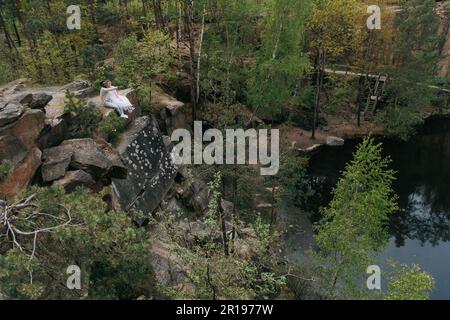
(111, 99)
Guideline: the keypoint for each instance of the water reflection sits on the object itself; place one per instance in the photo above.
(423, 217)
(421, 229)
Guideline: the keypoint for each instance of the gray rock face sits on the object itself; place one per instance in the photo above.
(10, 113)
(174, 206)
(173, 116)
(54, 133)
(166, 264)
(150, 169)
(117, 169)
(56, 162)
(98, 160)
(25, 99)
(197, 196)
(40, 100)
(74, 179)
(88, 156)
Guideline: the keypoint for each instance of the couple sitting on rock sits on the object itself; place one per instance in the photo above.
(112, 99)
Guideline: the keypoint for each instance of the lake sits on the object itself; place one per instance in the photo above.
(420, 232)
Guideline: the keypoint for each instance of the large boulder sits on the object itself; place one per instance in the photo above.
(74, 179)
(117, 170)
(197, 196)
(166, 264)
(88, 157)
(170, 110)
(39, 101)
(10, 112)
(27, 128)
(54, 132)
(56, 162)
(150, 169)
(22, 174)
(99, 160)
(335, 141)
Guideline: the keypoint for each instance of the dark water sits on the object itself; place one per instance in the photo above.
(420, 233)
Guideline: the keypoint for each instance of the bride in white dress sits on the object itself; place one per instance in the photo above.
(111, 99)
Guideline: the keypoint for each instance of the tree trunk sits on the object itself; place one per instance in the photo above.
(190, 26)
(274, 210)
(93, 16)
(8, 39)
(30, 40)
(224, 230)
(200, 55)
(159, 17)
(317, 98)
(16, 31)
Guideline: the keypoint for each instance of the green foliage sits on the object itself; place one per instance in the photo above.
(340, 96)
(354, 223)
(416, 53)
(281, 63)
(211, 274)
(91, 55)
(141, 61)
(85, 118)
(112, 253)
(399, 123)
(9, 65)
(441, 82)
(5, 168)
(408, 283)
(294, 186)
(334, 27)
(112, 127)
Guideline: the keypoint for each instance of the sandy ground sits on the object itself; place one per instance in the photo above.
(339, 125)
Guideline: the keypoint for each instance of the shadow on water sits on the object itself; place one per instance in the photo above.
(420, 232)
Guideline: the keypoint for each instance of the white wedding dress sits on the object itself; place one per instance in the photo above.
(111, 99)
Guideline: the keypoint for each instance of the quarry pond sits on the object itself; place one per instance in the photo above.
(420, 232)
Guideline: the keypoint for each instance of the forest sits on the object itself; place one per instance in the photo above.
(92, 205)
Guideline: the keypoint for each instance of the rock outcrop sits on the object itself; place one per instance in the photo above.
(10, 112)
(56, 162)
(150, 169)
(98, 160)
(22, 174)
(74, 179)
(11, 149)
(27, 128)
(171, 116)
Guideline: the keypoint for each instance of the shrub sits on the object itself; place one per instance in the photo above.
(5, 168)
(141, 61)
(399, 123)
(86, 117)
(111, 127)
(111, 251)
